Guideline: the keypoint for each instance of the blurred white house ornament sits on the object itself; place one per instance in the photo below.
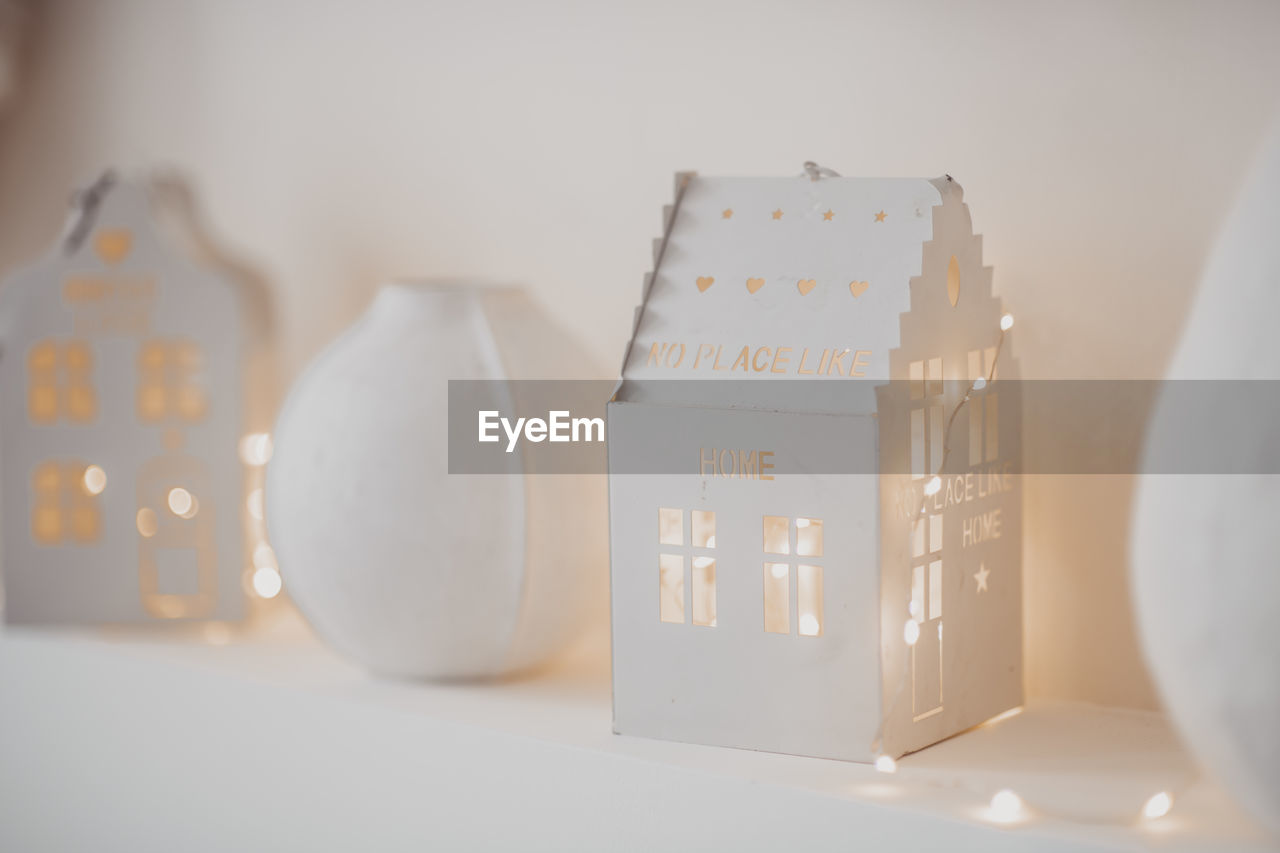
(406, 568)
(1205, 574)
(787, 589)
(122, 400)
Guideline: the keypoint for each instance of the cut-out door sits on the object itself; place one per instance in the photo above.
(177, 557)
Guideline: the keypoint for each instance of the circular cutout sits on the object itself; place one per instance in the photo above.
(953, 281)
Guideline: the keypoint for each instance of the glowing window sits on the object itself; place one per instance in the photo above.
(984, 424)
(687, 540)
(927, 420)
(60, 382)
(65, 505)
(170, 381)
(783, 536)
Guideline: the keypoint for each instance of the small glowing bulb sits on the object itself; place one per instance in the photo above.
(267, 583)
(802, 522)
(933, 486)
(1158, 805)
(779, 570)
(148, 524)
(1006, 806)
(95, 480)
(264, 557)
(980, 383)
(911, 632)
(254, 504)
(1006, 322)
(255, 448)
(809, 625)
(885, 764)
(181, 502)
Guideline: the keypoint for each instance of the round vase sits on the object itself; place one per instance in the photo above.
(408, 569)
(1205, 564)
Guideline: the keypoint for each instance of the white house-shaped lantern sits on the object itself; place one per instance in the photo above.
(799, 564)
(122, 406)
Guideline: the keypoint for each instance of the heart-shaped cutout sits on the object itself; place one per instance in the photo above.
(754, 284)
(112, 244)
(705, 281)
(805, 285)
(857, 288)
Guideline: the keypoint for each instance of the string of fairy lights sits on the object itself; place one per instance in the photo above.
(1006, 805)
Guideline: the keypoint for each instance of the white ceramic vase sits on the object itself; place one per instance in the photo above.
(398, 564)
(1206, 548)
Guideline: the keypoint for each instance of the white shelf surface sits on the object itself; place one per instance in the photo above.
(143, 741)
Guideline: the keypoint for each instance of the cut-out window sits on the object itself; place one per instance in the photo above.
(777, 598)
(60, 382)
(809, 537)
(803, 536)
(670, 526)
(65, 505)
(170, 381)
(704, 528)
(925, 443)
(984, 428)
(809, 600)
(671, 587)
(695, 551)
(927, 594)
(933, 378)
(915, 378)
(777, 534)
(982, 364)
(704, 591)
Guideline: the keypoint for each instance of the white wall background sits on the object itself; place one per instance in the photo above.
(337, 144)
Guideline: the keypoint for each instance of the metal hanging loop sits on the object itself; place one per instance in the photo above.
(85, 210)
(814, 171)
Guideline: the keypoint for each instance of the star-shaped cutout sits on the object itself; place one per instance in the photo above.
(826, 217)
(777, 214)
(880, 216)
(981, 577)
(728, 213)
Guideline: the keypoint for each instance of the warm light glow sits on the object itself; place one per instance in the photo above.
(998, 718)
(885, 764)
(802, 522)
(933, 486)
(911, 632)
(254, 504)
(217, 633)
(979, 383)
(702, 562)
(1006, 322)
(267, 583)
(711, 541)
(1006, 806)
(264, 557)
(181, 502)
(95, 480)
(148, 524)
(809, 625)
(1158, 806)
(779, 570)
(255, 448)
(914, 608)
